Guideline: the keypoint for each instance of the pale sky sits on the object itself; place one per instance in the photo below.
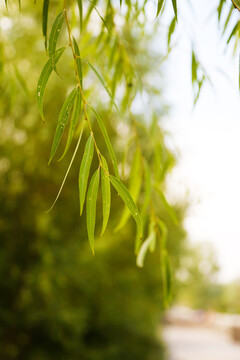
(207, 137)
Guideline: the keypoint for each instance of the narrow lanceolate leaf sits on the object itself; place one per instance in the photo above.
(168, 207)
(91, 207)
(106, 193)
(62, 121)
(134, 187)
(107, 141)
(144, 248)
(174, 3)
(171, 30)
(227, 19)
(234, 31)
(102, 82)
(74, 121)
(80, 9)
(42, 82)
(69, 167)
(159, 7)
(53, 38)
(84, 170)
(78, 60)
(194, 68)
(219, 9)
(45, 20)
(128, 200)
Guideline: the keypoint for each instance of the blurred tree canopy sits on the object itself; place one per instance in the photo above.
(103, 107)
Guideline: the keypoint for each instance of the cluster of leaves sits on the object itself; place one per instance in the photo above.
(81, 114)
(230, 24)
(123, 85)
(235, 27)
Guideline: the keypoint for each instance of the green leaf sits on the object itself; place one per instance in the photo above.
(159, 7)
(107, 141)
(219, 9)
(53, 38)
(43, 79)
(69, 167)
(200, 84)
(78, 60)
(174, 3)
(45, 20)
(62, 121)
(84, 170)
(80, 8)
(144, 248)
(73, 124)
(102, 82)
(234, 31)
(106, 193)
(168, 207)
(171, 30)
(128, 200)
(91, 207)
(134, 187)
(194, 68)
(228, 18)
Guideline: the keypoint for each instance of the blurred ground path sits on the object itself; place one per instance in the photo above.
(199, 343)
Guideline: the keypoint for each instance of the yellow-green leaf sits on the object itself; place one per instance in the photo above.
(69, 167)
(107, 141)
(53, 38)
(78, 60)
(144, 248)
(73, 123)
(91, 207)
(128, 200)
(159, 7)
(134, 187)
(171, 30)
(45, 20)
(62, 121)
(80, 8)
(174, 3)
(194, 68)
(84, 170)
(106, 193)
(43, 79)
